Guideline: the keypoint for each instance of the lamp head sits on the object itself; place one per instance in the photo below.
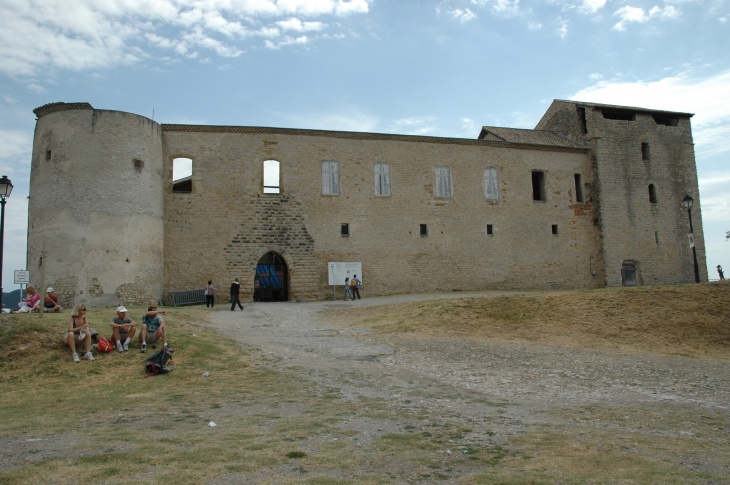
(6, 186)
(687, 202)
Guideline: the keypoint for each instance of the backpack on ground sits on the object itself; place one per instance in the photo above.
(104, 345)
(159, 363)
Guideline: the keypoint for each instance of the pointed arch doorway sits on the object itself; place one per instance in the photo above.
(271, 282)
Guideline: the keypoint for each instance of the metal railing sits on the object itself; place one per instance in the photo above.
(188, 297)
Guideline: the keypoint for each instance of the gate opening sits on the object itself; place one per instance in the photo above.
(628, 274)
(271, 282)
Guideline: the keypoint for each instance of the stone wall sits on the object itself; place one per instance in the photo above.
(235, 223)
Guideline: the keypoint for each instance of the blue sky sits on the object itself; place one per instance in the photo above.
(441, 68)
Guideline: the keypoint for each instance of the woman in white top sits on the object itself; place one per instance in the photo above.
(78, 332)
(210, 295)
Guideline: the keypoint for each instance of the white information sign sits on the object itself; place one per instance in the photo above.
(22, 277)
(691, 240)
(339, 271)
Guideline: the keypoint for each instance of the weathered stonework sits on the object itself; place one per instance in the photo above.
(134, 240)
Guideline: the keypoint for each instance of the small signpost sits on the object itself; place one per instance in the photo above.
(691, 240)
(339, 271)
(21, 277)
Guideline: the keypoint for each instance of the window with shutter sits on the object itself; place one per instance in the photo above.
(443, 182)
(330, 178)
(382, 179)
(491, 184)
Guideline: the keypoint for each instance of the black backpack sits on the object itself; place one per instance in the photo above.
(159, 363)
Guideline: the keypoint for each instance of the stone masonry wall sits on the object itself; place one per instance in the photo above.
(226, 224)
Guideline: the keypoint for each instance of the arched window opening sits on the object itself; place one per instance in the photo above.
(652, 194)
(491, 184)
(182, 175)
(382, 179)
(271, 177)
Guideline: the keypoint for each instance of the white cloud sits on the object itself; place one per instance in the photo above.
(418, 125)
(96, 34)
(563, 29)
(715, 199)
(462, 15)
(299, 26)
(286, 40)
(506, 8)
(629, 14)
(16, 145)
(595, 76)
(36, 88)
(709, 98)
(534, 25)
(593, 5)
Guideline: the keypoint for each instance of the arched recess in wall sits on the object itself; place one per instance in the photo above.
(182, 175)
(271, 282)
(272, 177)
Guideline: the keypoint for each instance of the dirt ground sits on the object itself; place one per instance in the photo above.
(503, 390)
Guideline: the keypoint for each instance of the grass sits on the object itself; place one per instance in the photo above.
(689, 320)
(103, 422)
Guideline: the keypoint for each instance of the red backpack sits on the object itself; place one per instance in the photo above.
(104, 345)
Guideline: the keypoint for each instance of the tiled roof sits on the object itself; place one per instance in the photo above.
(353, 135)
(628, 108)
(531, 137)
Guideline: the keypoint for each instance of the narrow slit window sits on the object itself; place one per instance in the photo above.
(182, 175)
(443, 182)
(538, 185)
(582, 117)
(345, 230)
(652, 194)
(491, 184)
(645, 151)
(271, 177)
(382, 179)
(424, 230)
(555, 229)
(656, 237)
(490, 230)
(48, 155)
(330, 178)
(578, 188)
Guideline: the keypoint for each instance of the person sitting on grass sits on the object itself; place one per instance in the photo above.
(153, 328)
(50, 302)
(78, 332)
(123, 329)
(31, 302)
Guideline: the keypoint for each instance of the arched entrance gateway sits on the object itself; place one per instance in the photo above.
(271, 282)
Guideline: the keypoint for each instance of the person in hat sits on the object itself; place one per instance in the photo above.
(123, 329)
(78, 333)
(236, 295)
(153, 328)
(50, 303)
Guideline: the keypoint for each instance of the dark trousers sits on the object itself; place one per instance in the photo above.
(209, 301)
(234, 301)
(355, 292)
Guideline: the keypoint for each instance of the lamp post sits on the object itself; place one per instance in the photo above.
(5, 188)
(688, 202)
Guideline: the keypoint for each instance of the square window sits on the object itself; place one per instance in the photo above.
(345, 230)
(424, 230)
(48, 155)
(490, 230)
(555, 229)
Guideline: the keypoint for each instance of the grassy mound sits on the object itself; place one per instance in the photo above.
(692, 320)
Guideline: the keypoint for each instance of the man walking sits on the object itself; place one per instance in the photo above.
(236, 295)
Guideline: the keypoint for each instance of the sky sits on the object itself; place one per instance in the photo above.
(440, 68)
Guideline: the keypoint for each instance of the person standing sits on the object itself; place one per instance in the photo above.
(347, 289)
(720, 272)
(356, 287)
(236, 295)
(210, 295)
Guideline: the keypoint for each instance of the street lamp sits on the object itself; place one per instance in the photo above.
(688, 202)
(5, 188)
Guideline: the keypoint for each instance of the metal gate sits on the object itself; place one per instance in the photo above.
(628, 274)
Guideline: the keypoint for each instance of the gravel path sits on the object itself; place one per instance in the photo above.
(506, 387)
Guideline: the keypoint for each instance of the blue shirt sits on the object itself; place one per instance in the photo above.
(153, 323)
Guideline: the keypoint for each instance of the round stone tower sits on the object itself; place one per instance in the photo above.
(96, 206)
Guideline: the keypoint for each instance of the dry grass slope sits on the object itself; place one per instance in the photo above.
(691, 320)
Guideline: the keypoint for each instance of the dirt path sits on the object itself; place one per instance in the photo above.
(499, 388)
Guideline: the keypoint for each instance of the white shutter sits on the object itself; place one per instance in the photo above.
(382, 179)
(330, 178)
(443, 182)
(491, 184)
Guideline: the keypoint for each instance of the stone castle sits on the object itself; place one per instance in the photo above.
(592, 197)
